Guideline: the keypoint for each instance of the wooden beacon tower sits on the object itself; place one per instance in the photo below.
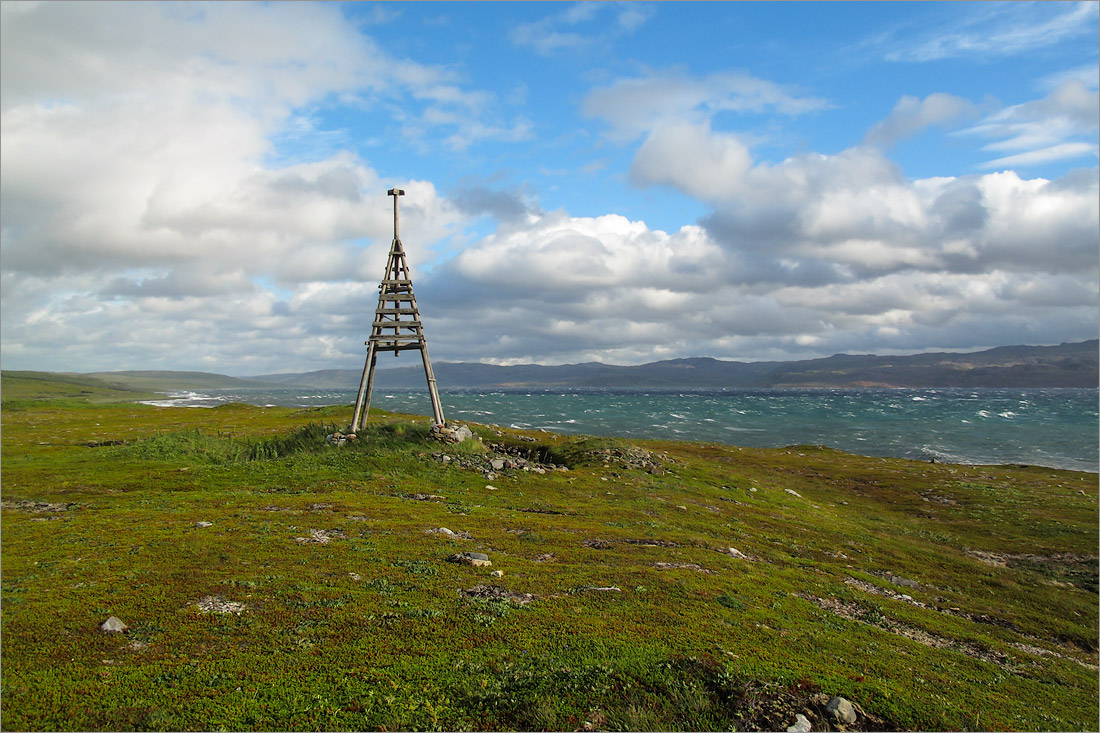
(396, 327)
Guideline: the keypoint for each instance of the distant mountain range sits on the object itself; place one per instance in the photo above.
(1066, 365)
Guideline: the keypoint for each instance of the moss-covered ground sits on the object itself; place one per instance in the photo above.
(932, 596)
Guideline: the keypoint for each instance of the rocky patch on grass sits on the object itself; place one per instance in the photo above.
(38, 507)
(423, 497)
(600, 544)
(460, 535)
(501, 459)
(217, 604)
(647, 542)
(497, 593)
(629, 458)
(866, 587)
(871, 617)
(682, 566)
(975, 618)
(544, 557)
(321, 536)
(1000, 560)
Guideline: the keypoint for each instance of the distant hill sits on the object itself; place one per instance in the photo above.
(170, 380)
(1066, 365)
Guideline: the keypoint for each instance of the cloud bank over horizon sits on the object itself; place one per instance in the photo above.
(203, 186)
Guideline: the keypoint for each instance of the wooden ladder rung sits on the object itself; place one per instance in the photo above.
(398, 324)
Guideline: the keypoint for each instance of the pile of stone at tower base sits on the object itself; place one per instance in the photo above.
(450, 434)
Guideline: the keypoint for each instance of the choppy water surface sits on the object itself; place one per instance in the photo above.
(1046, 427)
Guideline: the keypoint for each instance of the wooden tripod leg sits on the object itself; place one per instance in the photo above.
(437, 406)
(362, 401)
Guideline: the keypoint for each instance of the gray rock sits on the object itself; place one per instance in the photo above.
(792, 492)
(476, 559)
(905, 582)
(113, 625)
(734, 552)
(204, 524)
(841, 711)
(497, 464)
(464, 433)
(801, 725)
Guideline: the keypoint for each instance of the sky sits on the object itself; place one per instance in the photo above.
(203, 186)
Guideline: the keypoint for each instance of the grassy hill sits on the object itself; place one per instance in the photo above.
(16, 386)
(172, 380)
(320, 596)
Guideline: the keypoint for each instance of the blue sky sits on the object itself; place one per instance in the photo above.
(202, 186)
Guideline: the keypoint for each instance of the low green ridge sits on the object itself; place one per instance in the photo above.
(320, 596)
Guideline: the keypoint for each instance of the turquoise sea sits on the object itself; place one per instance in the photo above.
(1058, 428)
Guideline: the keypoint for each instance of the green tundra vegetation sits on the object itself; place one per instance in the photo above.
(320, 595)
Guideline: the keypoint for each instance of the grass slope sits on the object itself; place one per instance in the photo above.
(172, 380)
(932, 596)
(18, 387)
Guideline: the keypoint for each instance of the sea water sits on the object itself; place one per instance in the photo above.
(1046, 427)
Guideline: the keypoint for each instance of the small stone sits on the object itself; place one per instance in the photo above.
(444, 530)
(752, 489)
(841, 711)
(113, 625)
(734, 552)
(681, 507)
(792, 492)
(490, 487)
(204, 524)
(497, 464)
(497, 573)
(801, 725)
